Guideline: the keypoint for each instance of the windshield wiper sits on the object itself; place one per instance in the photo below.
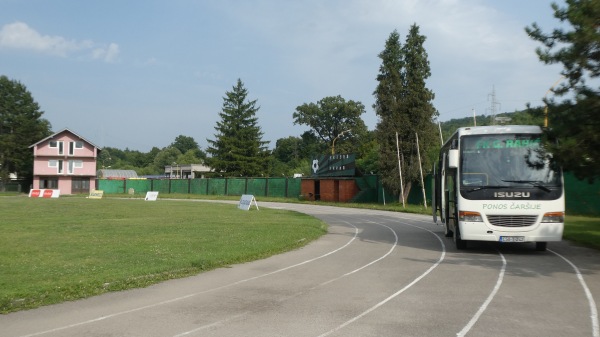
(484, 188)
(535, 183)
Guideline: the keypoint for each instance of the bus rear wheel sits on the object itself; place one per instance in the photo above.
(447, 230)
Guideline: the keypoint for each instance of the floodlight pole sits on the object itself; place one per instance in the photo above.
(421, 170)
(336, 137)
(400, 171)
(546, 104)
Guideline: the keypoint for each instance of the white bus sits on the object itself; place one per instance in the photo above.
(496, 183)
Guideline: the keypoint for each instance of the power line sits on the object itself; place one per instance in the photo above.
(493, 105)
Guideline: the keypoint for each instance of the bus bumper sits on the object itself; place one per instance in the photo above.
(542, 232)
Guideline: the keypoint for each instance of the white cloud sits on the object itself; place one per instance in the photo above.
(108, 54)
(19, 35)
(465, 28)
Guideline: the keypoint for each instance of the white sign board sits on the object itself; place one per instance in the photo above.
(246, 202)
(151, 196)
(96, 194)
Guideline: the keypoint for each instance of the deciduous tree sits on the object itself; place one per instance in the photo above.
(186, 143)
(167, 157)
(21, 125)
(334, 118)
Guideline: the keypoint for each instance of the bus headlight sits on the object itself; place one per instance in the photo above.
(554, 217)
(469, 216)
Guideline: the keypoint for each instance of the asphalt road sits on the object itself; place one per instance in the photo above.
(374, 274)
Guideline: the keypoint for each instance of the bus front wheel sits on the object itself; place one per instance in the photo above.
(458, 241)
(541, 246)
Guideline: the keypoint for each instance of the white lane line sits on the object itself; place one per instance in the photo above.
(313, 288)
(370, 263)
(588, 294)
(154, 305)
(485, 304)
(218, 323)
(389, 298)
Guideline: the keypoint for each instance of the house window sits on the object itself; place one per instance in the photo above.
(80, 185)
(56, 163)
(49, 183)
(73, 146)
(61, 149)
(53, 144)
(73, 164)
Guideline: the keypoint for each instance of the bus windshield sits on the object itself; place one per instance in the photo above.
(506, 160)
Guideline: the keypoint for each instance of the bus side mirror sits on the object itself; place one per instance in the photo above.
(454, 144)
(453, 158)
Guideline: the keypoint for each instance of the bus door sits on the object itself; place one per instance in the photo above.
(434, 194)
(442, 189)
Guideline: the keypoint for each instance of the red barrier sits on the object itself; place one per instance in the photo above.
(44, 193)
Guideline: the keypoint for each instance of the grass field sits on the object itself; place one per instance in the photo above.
(583, 230)
(53, 250)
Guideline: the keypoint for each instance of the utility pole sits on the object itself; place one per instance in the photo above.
(493, 105)
(546, 104)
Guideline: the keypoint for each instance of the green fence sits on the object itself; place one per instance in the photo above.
(271, 187)
(581, 197)
(14, 186)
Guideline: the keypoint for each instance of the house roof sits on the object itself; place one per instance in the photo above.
(188, 167)
(104, 173)
(65, 130)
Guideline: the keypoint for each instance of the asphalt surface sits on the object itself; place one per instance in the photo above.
(374, 274)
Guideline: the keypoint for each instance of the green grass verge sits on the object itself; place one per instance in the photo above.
(583, 230)
(54, 250)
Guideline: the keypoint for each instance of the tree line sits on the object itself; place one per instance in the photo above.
(403, 105)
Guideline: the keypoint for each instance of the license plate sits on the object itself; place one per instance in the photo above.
(512, 239)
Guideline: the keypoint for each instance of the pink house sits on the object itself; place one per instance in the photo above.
(65, 161)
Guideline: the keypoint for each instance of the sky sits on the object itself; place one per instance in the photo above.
(137, 74)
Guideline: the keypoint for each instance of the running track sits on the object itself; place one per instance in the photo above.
(374, 274)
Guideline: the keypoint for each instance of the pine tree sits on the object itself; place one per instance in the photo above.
(404, 106)
(388, 101)
(21, 125)
(238, 148)
(572, 136)
(417, 106)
